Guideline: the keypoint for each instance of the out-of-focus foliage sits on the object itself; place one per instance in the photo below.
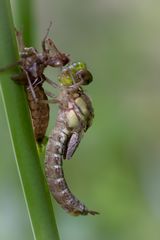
(116, 168)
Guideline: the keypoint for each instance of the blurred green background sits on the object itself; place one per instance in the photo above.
(116, 168)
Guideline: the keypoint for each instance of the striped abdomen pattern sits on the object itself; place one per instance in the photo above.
(55, 154)
(39, 112)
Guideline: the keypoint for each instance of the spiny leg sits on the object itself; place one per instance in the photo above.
(37, 81)
(45, 37)
(75, 86)
(30, 86)
(55, 57)
(53, 84)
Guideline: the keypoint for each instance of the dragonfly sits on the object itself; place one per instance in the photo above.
(32, 64)
(74, 118)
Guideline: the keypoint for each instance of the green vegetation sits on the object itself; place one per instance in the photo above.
(31, 176)
(115, 170)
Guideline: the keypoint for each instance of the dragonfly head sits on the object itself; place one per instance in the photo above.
(58, 60)
(54, 57)
(74, 73)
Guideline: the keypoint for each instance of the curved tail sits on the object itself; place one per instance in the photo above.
(55, 176)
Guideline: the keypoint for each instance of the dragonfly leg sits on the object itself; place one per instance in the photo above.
(49, 94)
(52, 83)
(20, 41)
(37, 81)
(53, 100)
(75, 86)
(20, 78)
(45, 37)
(30, 87)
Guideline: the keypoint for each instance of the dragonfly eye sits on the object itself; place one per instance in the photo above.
(65, 59)
(84, 75)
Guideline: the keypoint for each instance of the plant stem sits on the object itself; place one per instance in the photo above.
(25, 20)
(36, 193)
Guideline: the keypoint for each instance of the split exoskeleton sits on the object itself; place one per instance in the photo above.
(33, 64)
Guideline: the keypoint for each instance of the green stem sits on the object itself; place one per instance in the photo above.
(36, 193)
(25, 19)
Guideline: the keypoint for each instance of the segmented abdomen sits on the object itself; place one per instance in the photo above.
(39, 112)
(55, 150)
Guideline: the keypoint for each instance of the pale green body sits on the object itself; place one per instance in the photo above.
(74, 118)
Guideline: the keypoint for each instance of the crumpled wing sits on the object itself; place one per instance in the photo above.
(72, 144)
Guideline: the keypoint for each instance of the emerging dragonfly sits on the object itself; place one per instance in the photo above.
(32, 64)
(74, 118)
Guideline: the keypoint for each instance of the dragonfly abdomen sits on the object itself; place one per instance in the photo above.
(39, 112)
(55, 151)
